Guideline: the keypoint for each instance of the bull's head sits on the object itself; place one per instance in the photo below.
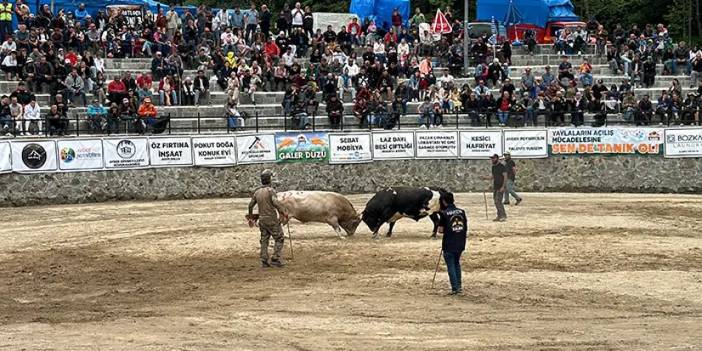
(350, 225)
(372, 221)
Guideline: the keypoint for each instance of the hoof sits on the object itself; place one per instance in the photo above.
(388, 235)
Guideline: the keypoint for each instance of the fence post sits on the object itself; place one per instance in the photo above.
(285, 122)
(457, 119)
(198, 123)
(77, 125)
(314, 117)
(256, 121)
(169, 123)
(342, 121)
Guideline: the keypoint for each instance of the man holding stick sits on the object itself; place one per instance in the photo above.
(268, 209)
(453, 223)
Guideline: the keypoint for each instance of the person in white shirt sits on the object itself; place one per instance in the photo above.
(379, 51)
(298, 16)
(288, 58)
(9, 66)
(32, 113)
(8, 46)
(403, 50)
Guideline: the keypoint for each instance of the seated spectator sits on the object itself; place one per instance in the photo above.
(335, 111)
(360, 111)
(9, 66)
(116, 90)
(578, 106)
(234, 119)
(426, 113)
(97, 116)
(127, 113)
(503, 106)
(201, 86)
(16, 114)
(114, 116)
(147, 115)
(32, 115)
(6, 122)
(144, 80)
(645, 111)
(188, 92)
(75, 87)
(167, 91)
(57, 121)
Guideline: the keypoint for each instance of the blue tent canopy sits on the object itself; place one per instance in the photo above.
(537, 12)
(513, 16)
(380, 10)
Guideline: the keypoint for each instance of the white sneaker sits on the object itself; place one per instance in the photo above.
(422, 127)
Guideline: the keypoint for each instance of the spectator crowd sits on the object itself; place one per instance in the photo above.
(381, 68)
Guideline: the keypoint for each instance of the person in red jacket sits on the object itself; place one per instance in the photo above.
(271, 49)
(396, 21)
(145, 81)
(355, 30)
(116, 90)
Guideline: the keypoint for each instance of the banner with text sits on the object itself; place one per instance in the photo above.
(33, 156)
(436, 144)
(170, 152)
(126, 153)
(683, 142)
(302, 147)
(214, 151)
(393, 145)
(255, 148)
(480, 144)
(585, 141)
(526, 143)
(79, 154)
(350, 148)
(5, 157)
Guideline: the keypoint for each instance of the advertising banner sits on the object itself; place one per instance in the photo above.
(214, 151)
(302, 147)
(436, 144)
(170, 151)
(126, 153)
(258, 148)
(615, 141)
(79, 154)
(5, 157)
(683, 142)
(480, 144)
(132, 13)
(393, 145)
(350, 148)
(33, 156)
(526, 143)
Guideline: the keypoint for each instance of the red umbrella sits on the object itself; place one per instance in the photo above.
(440, 25)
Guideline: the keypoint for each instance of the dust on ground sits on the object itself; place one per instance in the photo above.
(566, 272)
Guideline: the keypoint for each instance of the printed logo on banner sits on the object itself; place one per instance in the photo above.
(480, 144)
(213, 151)
(255, 148)
(526, 143)
(125, 153)
(126, 149)
(80, 154)
(683, 142)
(350, 148)
(393, 146)
(586, 141)
(34, 156)
(437, 144)
(302, 147)
(170, 152)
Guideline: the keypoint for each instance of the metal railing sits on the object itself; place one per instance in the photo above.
(82, 125)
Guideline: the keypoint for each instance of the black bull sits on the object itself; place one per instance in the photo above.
(391, 204)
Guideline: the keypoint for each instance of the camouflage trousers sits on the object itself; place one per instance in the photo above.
(276, 232)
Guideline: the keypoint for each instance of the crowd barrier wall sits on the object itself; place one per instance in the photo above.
(75, 170)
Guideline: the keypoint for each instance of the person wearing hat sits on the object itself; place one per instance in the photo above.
(499, 177)
(268, 222)
(511, 177)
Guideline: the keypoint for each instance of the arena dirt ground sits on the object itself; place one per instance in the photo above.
(566, 272)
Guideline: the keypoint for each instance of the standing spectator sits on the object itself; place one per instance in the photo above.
(396, 20)
(511, 168)
(5, 19)
(696, 66)
(308, 22)
(499, 176)
(265, 21)
(251, 20)
(298, 16)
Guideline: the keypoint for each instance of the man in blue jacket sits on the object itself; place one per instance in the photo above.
(453, 223)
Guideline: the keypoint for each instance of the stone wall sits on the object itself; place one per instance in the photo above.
(576, 174)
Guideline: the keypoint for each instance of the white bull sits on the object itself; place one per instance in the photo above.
(320, 206)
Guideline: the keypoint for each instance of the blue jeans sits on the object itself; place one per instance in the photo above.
(453, 266)
(503, 116)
